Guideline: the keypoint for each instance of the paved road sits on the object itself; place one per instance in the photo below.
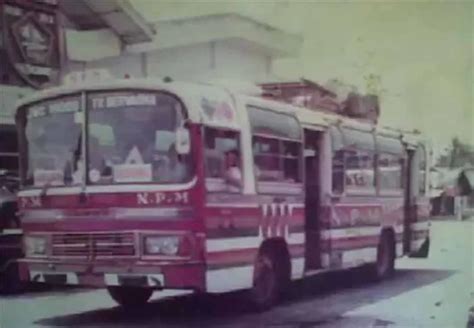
(436, 292)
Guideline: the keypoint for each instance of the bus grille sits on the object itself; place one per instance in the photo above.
(94, 245)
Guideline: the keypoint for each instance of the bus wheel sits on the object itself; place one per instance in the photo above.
(130, 296)
(385, 265)
(266, 282)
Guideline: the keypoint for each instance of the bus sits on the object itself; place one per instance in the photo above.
(143, 185)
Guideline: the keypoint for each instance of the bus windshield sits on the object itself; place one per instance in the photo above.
(132, 138)
(53, 142)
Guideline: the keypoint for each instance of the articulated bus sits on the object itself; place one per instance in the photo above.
(139, 185)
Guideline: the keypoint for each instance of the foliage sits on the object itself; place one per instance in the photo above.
(459, 154)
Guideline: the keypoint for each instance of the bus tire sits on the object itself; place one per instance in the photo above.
(266, 282)
(127, 296)
(384, 267)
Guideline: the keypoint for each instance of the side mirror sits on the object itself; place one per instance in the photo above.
(183, 141)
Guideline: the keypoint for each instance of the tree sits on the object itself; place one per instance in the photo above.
(459, 154)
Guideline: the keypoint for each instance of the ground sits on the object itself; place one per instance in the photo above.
(433, 292)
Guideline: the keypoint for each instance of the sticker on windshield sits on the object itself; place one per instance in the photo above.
(123, 100)
(134, 157)
(94, 175)
(48, 178)
(59, 106)
(132, 173)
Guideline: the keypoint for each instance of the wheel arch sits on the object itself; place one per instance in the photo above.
(278, 248)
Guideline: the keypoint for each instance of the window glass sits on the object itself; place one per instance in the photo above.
(291, 161)
(223, 160)
(132, 137)
(390, 175)
(352, 161)
(53, 143)
(358, 139)
(277, 160)
(267, 159)
(390, 145)
(271, 123)
(359, 170)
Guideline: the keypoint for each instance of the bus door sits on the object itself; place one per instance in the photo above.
(312, 201)
(410, 206)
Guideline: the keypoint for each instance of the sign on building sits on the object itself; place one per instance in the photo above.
(29, 46)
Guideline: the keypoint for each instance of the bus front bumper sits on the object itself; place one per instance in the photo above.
(103, 274)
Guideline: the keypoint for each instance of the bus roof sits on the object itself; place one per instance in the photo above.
(204, 102)
(198, 97)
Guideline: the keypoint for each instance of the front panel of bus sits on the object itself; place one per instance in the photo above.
(108, 197)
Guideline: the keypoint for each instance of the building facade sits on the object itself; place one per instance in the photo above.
(43, 40)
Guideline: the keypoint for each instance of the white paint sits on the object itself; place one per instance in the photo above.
(251, 34)
(357, 257)
(35, 274)
(225, 280)
(105, 44)
(40, 215)
(399, 249)
(71, 277)
(224, 244)
(351, 258)
(182, 62)
(350, 232)
(125, 188)
(297, 268)
(325, 260)
(231, 205)
(398, 228)
(11, 232)
(111, 279)
(420, 226)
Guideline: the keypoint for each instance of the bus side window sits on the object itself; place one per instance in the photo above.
(359, 169)
(390, 171)
(267, 159)
(338, 160)
(291, 161)
(277, 160)
(218, 145)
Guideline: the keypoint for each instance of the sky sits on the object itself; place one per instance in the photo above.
(422, 51)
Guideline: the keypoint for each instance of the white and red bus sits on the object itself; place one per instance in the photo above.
(140, 185)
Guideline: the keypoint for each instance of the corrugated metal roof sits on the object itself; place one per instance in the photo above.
(118, 15)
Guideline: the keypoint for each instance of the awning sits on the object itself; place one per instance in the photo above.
(118, 15)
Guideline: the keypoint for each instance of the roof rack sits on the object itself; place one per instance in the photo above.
(303, 93)
(311, 95)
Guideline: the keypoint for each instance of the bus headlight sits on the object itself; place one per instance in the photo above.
(35, 245)
(161, 245)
